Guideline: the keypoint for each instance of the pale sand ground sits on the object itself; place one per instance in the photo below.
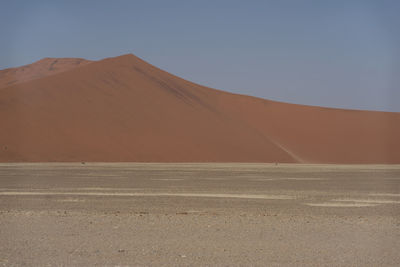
(199, 214)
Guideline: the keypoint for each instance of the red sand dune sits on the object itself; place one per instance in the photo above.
(124, 109)
(41, 68)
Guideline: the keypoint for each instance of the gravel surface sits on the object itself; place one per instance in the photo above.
(199, 214)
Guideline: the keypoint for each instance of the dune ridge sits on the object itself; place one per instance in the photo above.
(39, 69)
(124, 109)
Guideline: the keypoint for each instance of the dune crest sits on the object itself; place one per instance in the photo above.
(39, 69)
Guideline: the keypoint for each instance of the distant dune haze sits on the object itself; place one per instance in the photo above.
(124, 109)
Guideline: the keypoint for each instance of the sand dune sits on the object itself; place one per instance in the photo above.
(124, 109)
(41, 68)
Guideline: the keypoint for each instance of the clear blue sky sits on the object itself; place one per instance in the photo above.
(339, 53)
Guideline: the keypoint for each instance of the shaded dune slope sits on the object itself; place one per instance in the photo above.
(124, 109)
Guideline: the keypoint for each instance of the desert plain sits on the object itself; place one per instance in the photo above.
(224, 214)
(310, 206)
